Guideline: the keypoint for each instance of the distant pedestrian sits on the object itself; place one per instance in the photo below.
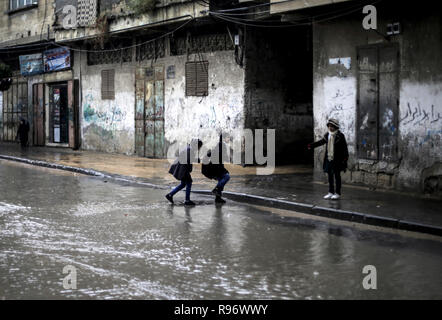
(214, 169)
(23, 132)
(335, 158)
(181, 169)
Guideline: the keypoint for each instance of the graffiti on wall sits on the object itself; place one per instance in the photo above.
(339, 98)
(110, 118)
(432, 137)
(419, 116)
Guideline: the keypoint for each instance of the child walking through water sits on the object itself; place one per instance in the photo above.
(335, 157)
(214, 169)
(181, 169)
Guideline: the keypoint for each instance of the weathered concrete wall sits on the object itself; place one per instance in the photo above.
(419, 164)
(26, 26)
(106, 125)
(279, 89)
(171, 10)
(220, 111)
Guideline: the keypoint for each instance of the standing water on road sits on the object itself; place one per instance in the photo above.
(128, 242)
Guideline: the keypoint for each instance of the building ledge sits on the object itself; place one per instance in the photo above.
(28, 7)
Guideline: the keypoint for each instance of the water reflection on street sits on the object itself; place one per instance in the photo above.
(128, 242)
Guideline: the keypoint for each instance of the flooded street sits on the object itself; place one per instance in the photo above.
(128, 242)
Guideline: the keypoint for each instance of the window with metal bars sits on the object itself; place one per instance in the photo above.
(197, 78)
(108, 84)
(15, 106)
(18, 4)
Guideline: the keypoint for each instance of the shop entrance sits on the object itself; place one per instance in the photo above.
(62, 125)
(58, 114)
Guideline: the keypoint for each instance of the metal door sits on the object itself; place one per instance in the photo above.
(38, 102)
(149, 112)
(388, 102)
(367, 120)
(378, 102)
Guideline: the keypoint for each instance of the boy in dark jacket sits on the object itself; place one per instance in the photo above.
(181, 169)
(335, 158)
(217, 171)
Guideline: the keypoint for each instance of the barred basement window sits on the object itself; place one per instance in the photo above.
(197, 78)
(108, 84)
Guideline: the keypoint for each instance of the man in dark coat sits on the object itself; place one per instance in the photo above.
(215, 170)
(335, 157)
(181, 169)
(22, 132)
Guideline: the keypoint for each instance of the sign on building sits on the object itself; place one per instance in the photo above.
(57, 59)
(31, 64)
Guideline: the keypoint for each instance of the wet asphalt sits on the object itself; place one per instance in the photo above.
(128, 242)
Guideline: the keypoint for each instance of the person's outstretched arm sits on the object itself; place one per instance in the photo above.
(317, 143)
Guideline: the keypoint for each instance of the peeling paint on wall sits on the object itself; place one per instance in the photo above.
(108, 125)
(346, 62)
(421, 107)
(337, 100)
(109, 118)
(220, 111)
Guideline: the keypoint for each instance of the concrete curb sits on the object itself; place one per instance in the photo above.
(337, 214)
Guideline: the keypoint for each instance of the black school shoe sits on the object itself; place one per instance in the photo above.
(170, 198)
(189, 203)
(219, 200)
(216, 192)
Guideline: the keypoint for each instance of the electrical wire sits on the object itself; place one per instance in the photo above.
(255, 6)
(129, 47)
(48, 43)
(242, 14)
(220, 14)
(312, 19)
(268, 12)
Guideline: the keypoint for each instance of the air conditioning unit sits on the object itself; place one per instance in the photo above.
(394, 28)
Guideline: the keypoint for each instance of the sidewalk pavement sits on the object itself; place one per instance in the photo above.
(290, 187)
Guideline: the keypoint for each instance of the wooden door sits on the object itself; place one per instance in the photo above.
(73, 92)
(149, 112)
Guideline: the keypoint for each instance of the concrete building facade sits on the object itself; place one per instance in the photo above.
(386, 90)
(384, 86)
(139, 83)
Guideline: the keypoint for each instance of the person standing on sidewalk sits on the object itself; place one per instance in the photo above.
(23, 132)
(335, 158)
(217, 171)
(181, 169)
